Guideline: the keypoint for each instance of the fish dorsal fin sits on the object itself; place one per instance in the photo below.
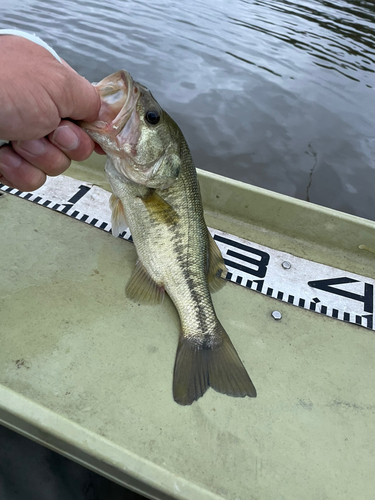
(216, 267)
(142, 288)
(119, 224)
(159, 209)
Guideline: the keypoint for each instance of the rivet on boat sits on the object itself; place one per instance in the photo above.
(276, 315)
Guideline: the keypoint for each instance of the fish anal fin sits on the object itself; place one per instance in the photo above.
(159, 209)
(216, 267)
(142, 288)
(119, 224)
(215, 365)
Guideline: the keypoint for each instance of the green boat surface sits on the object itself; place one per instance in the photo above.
(88, 373)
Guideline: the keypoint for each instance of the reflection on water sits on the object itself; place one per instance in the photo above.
(276, 93)
(326, 30)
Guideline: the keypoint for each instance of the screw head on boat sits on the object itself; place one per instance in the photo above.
(286, 264)
(276, 315)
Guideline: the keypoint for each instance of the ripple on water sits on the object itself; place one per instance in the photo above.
(254, 84)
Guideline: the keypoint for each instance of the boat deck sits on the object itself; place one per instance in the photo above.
(88, 373)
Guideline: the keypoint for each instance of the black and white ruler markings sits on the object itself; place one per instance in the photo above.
(323, 289)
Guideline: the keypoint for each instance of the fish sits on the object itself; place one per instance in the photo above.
(156, 194)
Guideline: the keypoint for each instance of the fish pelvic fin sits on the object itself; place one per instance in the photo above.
(211, 364)
(119, 224)
(216, 270)
(142, 288)
(159, 209)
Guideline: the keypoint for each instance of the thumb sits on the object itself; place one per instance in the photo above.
(81, 99)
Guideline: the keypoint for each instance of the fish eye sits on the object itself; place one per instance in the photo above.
(152, 117)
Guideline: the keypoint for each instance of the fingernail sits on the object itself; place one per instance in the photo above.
(9, 159)
(35, 147)
(66, 138)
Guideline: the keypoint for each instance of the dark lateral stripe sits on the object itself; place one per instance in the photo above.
(323, 309)
(238, 280)
(291, 299)
(358, 320)
(28, 196)
(46, 203)
(37, 199)
(335, 313)
(301, 303)
(94, 221)
(312, 306)
(346, 316)
(84, 218)
(269, 291)
(74, 214)
(248, 283)
(103, 225)
(280, 295)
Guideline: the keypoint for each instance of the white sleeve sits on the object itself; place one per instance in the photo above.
(32, 38)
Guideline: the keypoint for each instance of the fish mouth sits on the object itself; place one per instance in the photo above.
(118, 130)
(119, 95)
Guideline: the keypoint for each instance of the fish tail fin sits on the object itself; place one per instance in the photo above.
(213, 364)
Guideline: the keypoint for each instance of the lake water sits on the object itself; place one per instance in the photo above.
(276, 93)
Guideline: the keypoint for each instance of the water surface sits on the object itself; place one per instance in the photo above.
(276, 93)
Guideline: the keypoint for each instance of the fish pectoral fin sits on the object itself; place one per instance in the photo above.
(216, 267)
(142, 288)
(198, 367)
(119, 224)
(159, 209)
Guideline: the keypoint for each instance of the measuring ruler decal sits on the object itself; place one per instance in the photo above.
(303, 283)
(323, 289)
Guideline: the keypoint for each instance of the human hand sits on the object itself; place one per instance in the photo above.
(37, 94)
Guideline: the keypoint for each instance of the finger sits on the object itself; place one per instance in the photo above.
(98, 150)
(80, 100)
(72, 140)
(43, 155)
(4, 180)
(18, 173)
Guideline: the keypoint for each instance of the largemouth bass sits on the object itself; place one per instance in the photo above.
(156, 194)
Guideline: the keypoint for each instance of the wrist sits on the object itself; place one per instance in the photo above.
(32, 38)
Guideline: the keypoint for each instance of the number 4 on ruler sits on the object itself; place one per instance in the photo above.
(327, 286)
